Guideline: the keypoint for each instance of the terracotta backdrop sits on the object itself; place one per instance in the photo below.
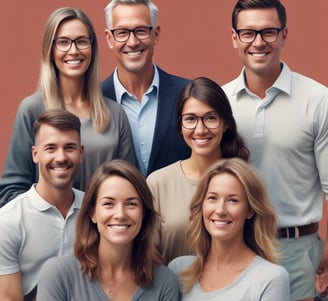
(195, 41)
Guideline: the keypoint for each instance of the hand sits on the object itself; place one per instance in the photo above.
(322, 273)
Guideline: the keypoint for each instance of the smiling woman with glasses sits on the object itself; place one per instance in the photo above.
(69, 79)
(207, 126)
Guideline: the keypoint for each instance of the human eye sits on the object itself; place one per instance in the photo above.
(49, 148)
(83, 42)
(63, 42)
(141, 31)
(233, 200)
(121, 33)
(189, 118)
(247, 33)
(212, 118)
(269, 32)
(132, 203)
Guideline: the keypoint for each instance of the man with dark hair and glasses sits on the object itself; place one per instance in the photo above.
(282, 115)
(147, 93)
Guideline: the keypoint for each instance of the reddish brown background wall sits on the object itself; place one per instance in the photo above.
(195, 41)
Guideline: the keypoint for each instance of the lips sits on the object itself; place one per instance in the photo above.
(119, 227)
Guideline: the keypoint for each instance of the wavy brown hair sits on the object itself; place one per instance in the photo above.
(144, 254)
(259, 232)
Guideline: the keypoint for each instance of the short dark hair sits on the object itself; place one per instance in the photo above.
(251, 4)
(59, 119)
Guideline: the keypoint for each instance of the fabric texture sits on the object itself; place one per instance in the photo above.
(168, 145)
(62, 280)
(172, 192)
(32, 231)
(260, 281)
(20, 172)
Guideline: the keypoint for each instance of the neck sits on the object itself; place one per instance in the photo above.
(61, 198)
(136, 83)
(259, 83)
(195, 166)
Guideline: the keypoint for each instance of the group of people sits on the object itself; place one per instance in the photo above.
(151, 186)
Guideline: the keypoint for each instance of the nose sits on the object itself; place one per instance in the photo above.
(73, 48)
(61, 155)
(258, 40)
(119, 211)
(132, 40)
(200, 127)
(220, 207)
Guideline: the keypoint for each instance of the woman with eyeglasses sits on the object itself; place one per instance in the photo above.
(115, 258)
(68, 79)
(206, 123)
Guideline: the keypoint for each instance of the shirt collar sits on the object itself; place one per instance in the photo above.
(41, 204)
(282, 83)
(120, 90)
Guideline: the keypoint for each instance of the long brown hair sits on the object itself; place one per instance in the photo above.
(86, 244)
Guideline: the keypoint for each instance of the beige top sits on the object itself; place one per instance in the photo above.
(172, 192)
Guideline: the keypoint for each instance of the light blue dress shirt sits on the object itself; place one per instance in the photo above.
(142, 117)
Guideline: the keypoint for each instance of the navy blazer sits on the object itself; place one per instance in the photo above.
(168, 144)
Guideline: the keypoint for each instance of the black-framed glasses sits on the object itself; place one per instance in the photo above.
(268, 35)
(121, 35)
(65, 44)
(210, 121)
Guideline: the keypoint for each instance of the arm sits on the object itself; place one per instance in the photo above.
(322, 271)
(11, 287)
(126, 148)
(19, 172)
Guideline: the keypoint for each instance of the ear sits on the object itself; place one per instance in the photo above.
(109, 39)
(234, 38)
(157, 31)
(93, 217)
(284, 36)
(250, 214)
(81, 152)
(35, 154)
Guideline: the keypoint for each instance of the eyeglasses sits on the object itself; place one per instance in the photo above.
(268, 35)
(210, 121)
(121, 35)
(65, 44)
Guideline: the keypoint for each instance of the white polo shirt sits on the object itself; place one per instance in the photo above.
(32, 231)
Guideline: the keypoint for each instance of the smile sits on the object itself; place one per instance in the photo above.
(73, 62)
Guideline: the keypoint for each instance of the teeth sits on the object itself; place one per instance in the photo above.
(75, 62)
(201, 140)
(220, 223)
(258, 54)
(60, 168)
(133, 53)
(119, 227)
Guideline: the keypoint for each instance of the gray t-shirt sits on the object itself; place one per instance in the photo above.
(62, 280)
(261, 281)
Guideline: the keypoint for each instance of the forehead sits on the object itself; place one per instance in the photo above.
(258, 18)
(71, 28)
(50, 135)
(130, 16)
(193, 105)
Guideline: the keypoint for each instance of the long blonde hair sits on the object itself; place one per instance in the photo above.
(48, 81)
(260, 232)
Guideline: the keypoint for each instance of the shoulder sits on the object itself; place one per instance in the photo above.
(32, 104)
(179, 264)
(162, 274)
(171, 78)
(113, 106)
(307, 83)
(166, 172)
(269, 269)
(78, 194)
(66, 264)
(12, 211)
